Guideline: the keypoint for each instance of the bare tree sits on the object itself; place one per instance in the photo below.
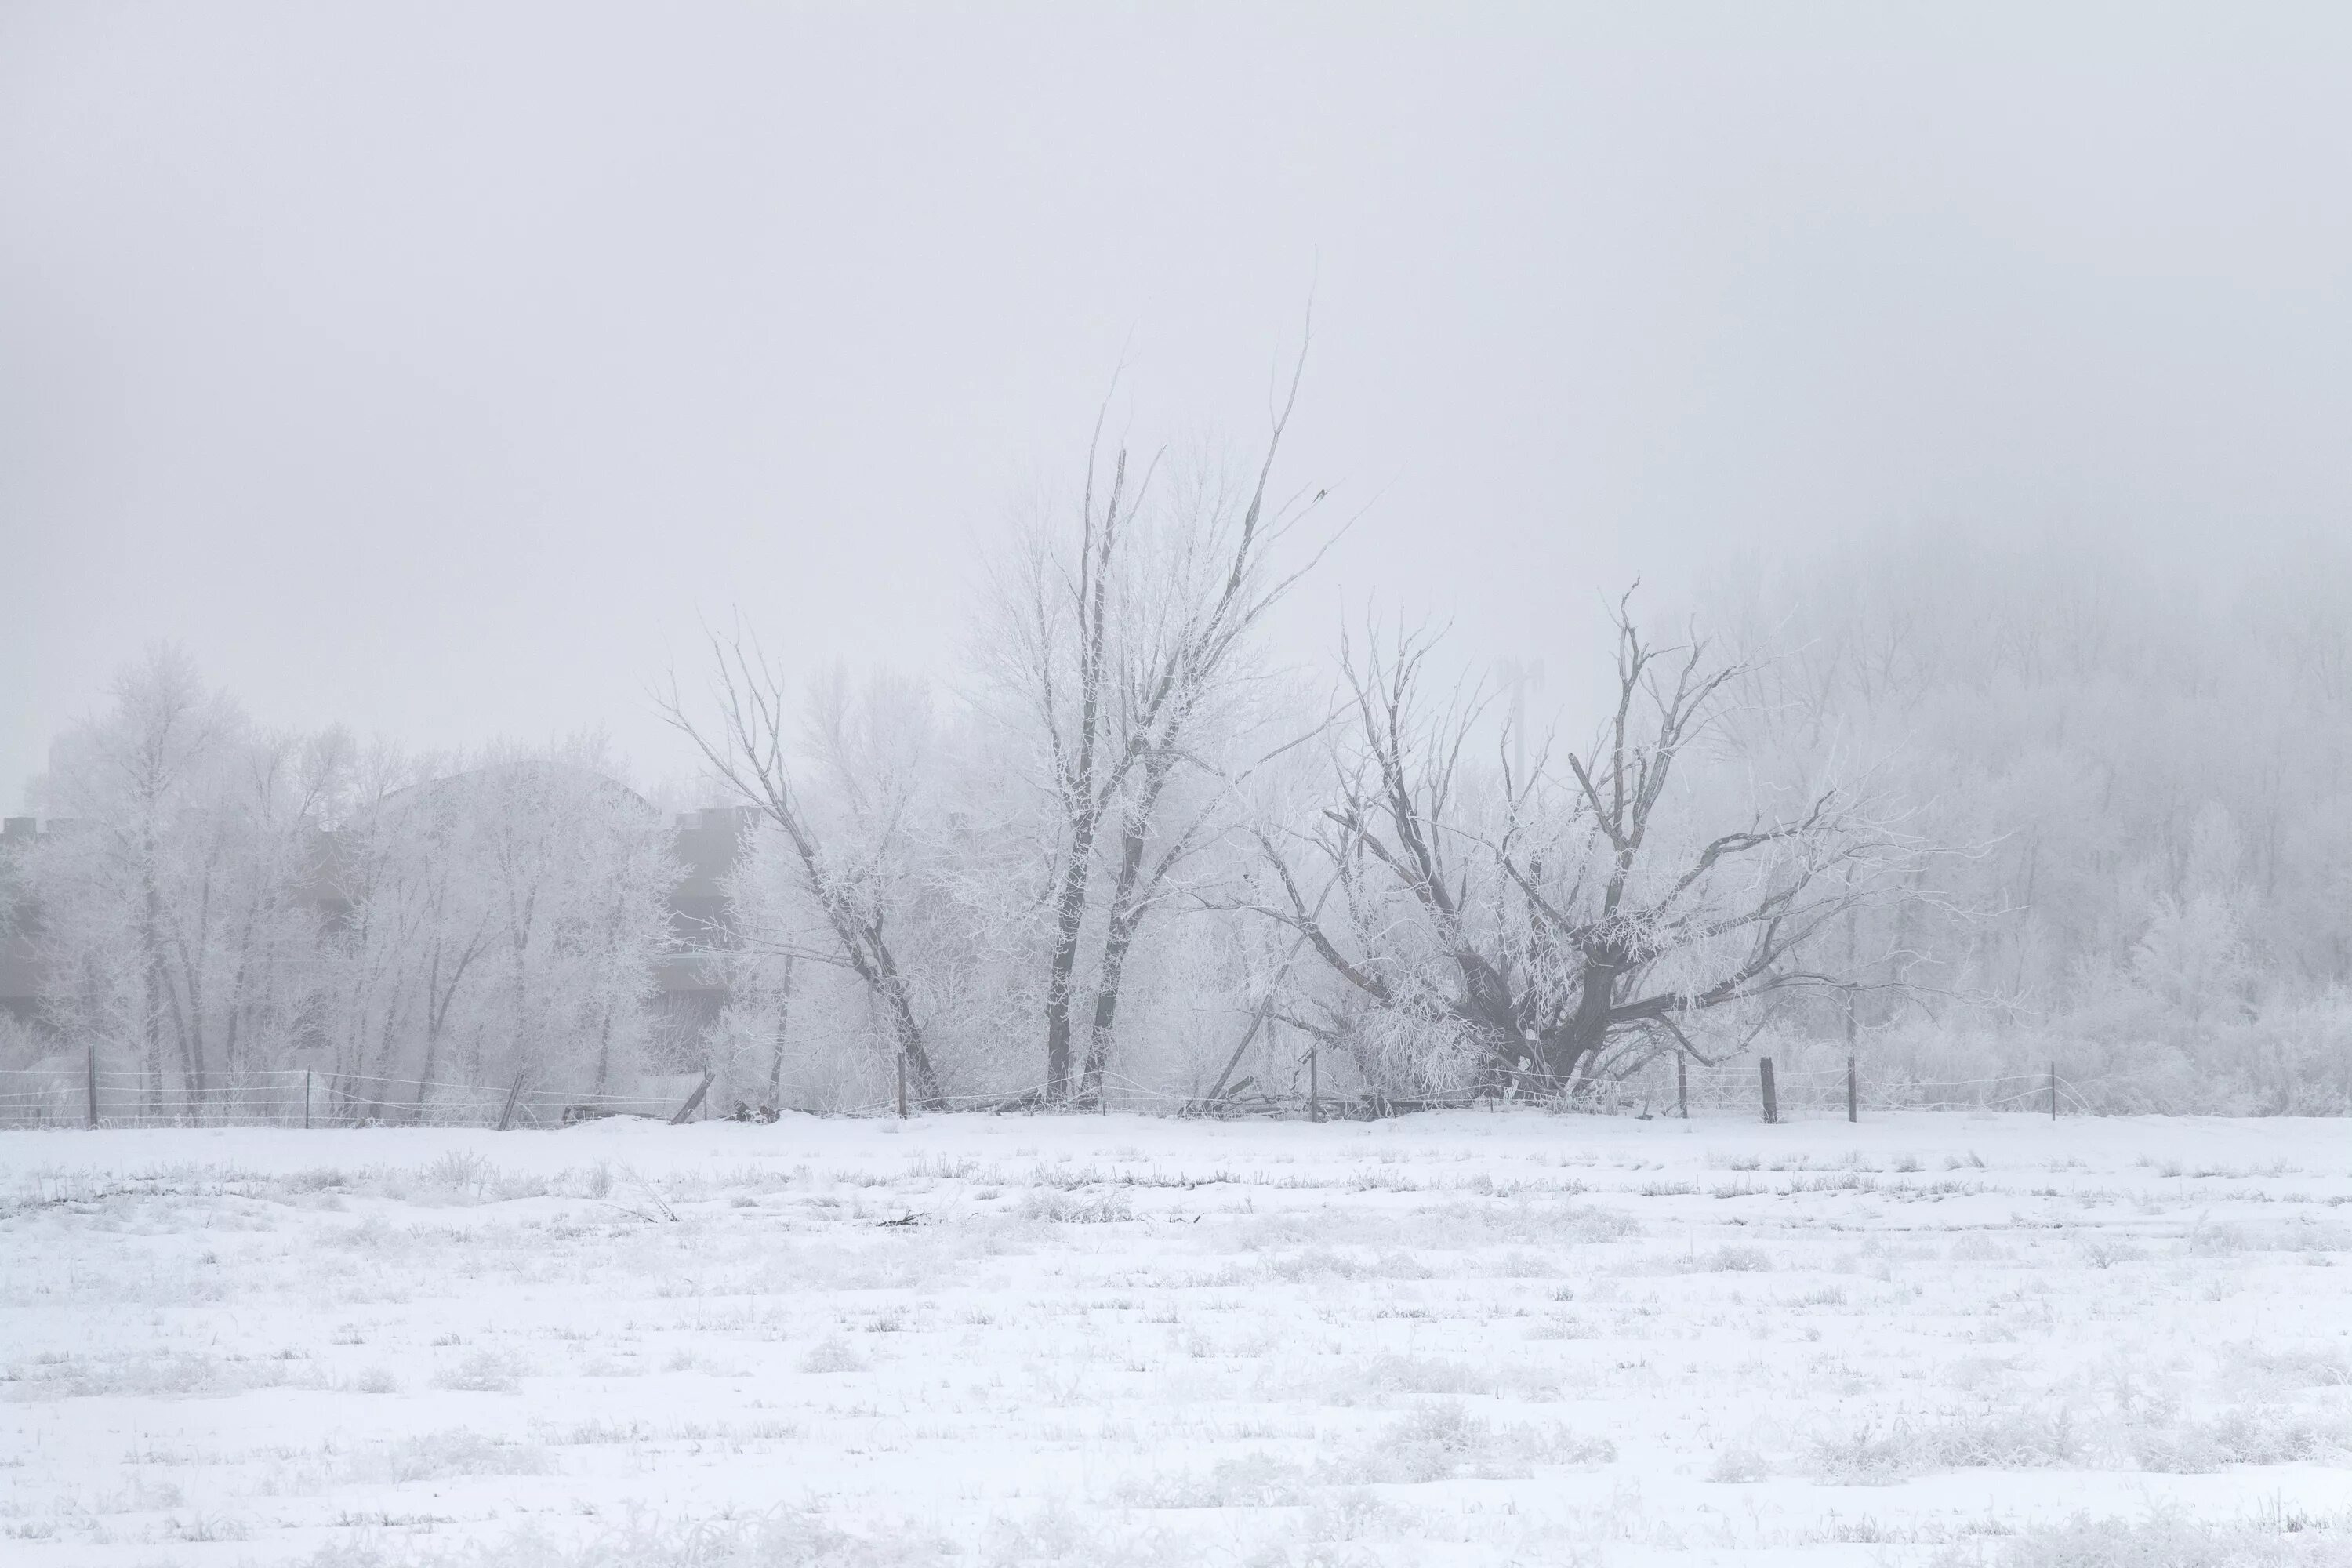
(1685, 923)
(1124, 644)
(746, 746)
(1561, 925)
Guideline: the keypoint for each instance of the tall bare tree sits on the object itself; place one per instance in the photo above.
(1124, 641)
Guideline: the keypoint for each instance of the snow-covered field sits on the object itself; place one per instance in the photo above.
(1448, 1339)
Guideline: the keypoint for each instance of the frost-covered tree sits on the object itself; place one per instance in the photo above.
(1122, 659)
(850, 848)
(2146, 783)
(1560, 926)
(503, 917)
(173, 887)
(215, 900)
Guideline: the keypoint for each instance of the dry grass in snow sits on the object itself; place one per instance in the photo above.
(1458, 1339)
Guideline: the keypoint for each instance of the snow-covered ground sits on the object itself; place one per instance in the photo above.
(1460, 1338)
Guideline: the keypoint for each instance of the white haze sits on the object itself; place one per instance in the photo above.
(658, 929)
(433, 370)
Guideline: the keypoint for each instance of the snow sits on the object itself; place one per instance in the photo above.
(1461, 1338)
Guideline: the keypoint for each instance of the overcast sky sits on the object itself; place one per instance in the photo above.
(433, 368)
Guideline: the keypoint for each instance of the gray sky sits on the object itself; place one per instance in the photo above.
(432, 368)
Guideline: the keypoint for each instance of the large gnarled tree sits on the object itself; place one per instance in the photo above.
(1560, 926)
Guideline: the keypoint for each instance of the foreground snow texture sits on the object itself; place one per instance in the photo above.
(1452, 1339)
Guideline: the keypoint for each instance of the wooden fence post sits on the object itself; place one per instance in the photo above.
(1682, 1086)
(306, 1100)
(902, 1085)
(93, 1079)
(1257, 1022)
(1314, 1090)
(506, 1117)
(1772, 1103)
(2053, 1091)
(1852, 1110)
(693, 1102)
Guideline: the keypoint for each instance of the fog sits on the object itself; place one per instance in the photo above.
(438, 371)
(1105, 786)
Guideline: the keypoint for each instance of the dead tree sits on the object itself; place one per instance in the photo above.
(1656, 926)
(745, 747)
(1567, 923)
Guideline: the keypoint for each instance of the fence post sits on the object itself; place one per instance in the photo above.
(92, 1070)
(1682, 1086)
(902, 1085)
(306, 1100)
(506, 1117)
(699, 1099)
(2053, 1091)
(1257, 1022)
(1314, 1090)
(1852, 1110)
(1772, 1103)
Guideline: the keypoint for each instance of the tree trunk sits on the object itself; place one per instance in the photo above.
(1580, 1044)
(1126, 917)
(152, 981)
(187, 1028)
(910, 1041)
(1117, 943)
(1069, 915)
(1486, 1004)
(783, 1016)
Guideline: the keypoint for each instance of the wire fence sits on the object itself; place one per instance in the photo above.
(299, 1098)
(101, 1097)
(1817, 1089)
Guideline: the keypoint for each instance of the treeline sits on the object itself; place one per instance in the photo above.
(2140, 788)
(210, 898)
(1958, 816)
